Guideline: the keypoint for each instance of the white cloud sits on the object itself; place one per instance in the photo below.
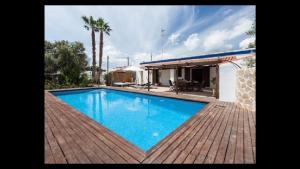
(192, 41)
(218, 37)
(117, 58)
(244, 43)
(173, 38)
(241, 26)
(136, 30)
(146, 57)
(215, 39)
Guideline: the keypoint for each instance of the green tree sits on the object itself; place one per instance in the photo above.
(50, 64)
(90, 23)
(252, 32)
(102, 27)
(250, 62)
(67, 58)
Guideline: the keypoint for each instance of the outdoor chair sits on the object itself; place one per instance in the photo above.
(202, 85)
(171, 86)
(198, 86)
(147, 84)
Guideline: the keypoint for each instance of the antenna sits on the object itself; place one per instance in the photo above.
(151, 56)
(107, 64)
(162, 34)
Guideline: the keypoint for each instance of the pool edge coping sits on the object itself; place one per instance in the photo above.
(130, 145)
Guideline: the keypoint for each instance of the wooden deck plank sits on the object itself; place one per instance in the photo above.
(253, 114)
(74, 133)
(103, 135)
(203, 152)
(72, 147)
(239, 151)
(171, 155)
(179, 133)
(57, 153)
(86, 137)
(111, 156)
(57, 143)
(104, 139)
(199, 143)
(216, 143)
(252, 133)
(220, 156)
(248, 153)
(207, 144)
(220, 133)
(229, 157)
(182, 128)
(49, 159)
(186, 146)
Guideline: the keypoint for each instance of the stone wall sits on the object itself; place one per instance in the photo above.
(246, 88)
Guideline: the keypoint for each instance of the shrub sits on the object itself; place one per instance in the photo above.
(250, 62)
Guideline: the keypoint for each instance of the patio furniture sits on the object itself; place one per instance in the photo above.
(198, 86)
(189, 86)
(120, 84)
(184, 85)
(143, 86)
(171, 86)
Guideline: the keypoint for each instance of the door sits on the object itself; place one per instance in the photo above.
(201, 75)
(155, 76)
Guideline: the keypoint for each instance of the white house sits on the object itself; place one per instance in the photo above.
(203, 69)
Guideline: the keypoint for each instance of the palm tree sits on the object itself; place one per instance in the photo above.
(101, 26)
(90, 23)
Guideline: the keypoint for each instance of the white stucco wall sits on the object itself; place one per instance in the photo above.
(172, 75)
(164, 77)
(139, 77)
(227, 74)
(142, 77)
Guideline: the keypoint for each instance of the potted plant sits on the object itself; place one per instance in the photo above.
(213, 81)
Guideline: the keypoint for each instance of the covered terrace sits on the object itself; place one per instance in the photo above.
(202, 61)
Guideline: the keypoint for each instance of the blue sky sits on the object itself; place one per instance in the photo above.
(136, 30)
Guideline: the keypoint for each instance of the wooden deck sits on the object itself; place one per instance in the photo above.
(220, 133)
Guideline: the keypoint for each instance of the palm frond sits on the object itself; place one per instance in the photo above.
(100, 21)
(107, 28)
(86, 20)
(86, 27)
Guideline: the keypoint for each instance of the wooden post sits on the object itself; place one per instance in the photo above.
(217, 81)
(148, 80)
(176, 79)
(112, 78)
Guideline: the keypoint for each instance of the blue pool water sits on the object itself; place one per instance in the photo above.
(142, 120)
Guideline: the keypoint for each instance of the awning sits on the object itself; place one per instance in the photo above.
(202, 60)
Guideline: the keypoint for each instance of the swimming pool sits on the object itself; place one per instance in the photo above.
(143, 120)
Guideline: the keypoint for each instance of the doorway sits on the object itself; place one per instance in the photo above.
(201, 74)
(155, 76)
